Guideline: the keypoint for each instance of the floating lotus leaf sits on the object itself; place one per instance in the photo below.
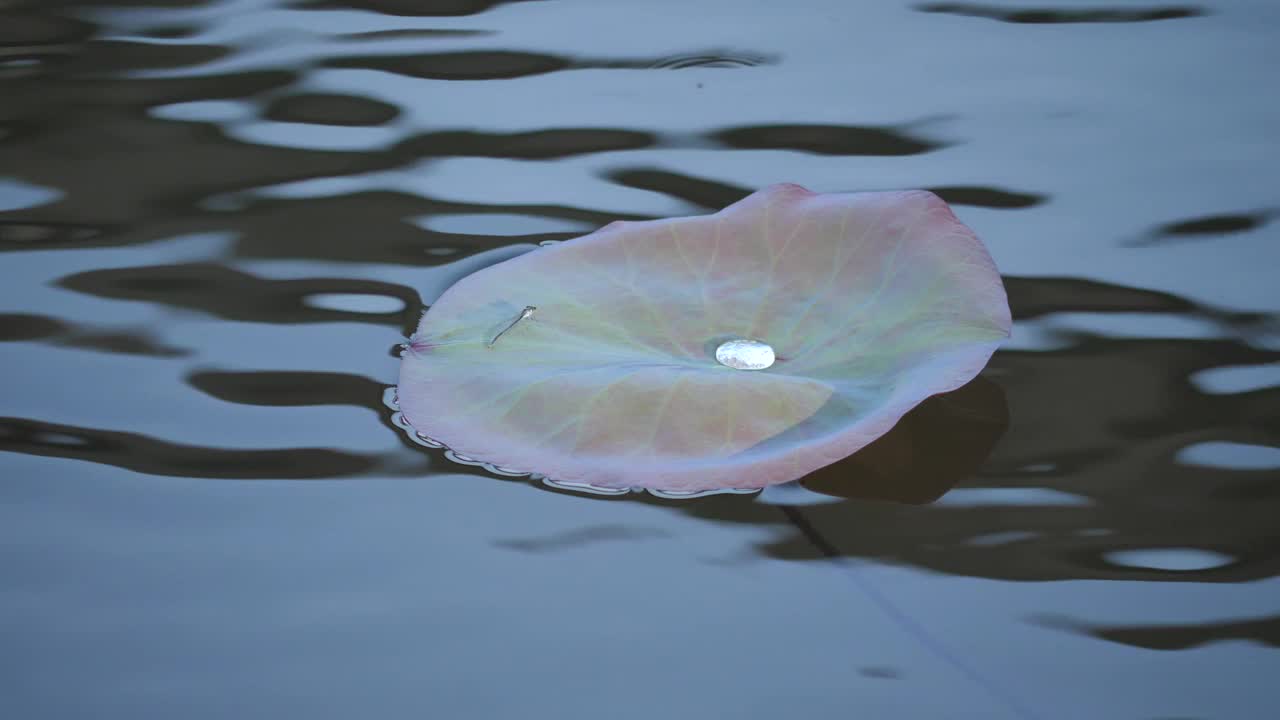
(593, 362)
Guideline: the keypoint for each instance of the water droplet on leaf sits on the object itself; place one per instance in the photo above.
(745, 354)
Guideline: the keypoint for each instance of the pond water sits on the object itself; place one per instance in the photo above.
(218, 219)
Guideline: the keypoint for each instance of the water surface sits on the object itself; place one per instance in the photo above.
(217, 219)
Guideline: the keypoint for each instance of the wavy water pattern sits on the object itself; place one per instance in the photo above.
(220, 218)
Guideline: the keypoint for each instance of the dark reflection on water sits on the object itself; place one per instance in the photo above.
(215, 219)
(22, 30)
(501, 65)
(696, 191)
(1204, 228)
(580, 536)
(289, 388)
(1264, 631)
(233, 295)
(880, 673)
(18, 327)
(418, 34)
(988, 197)
(414, 8)
(941, 442)
(715, 195)
(712, 59)
(156, 457)
(477, 65)
(537, 145)
(829, 139)
(1089, 476)
(25, 236)
(312, 229)
(1036, 297)
(1063, 14)
(330, 109)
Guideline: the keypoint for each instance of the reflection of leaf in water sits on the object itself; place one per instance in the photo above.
(941, 442)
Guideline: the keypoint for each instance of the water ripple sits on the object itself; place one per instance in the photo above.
(829, 139)
(1062, 15)
(1262, 631)
(150, 456)
(509, 64)
(235, 295)
(410, 8)
(711, 59)
(341, 162)
(330, 109)
(22, 327)
(1206, 227)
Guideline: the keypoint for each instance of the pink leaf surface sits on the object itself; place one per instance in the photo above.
(872, 302)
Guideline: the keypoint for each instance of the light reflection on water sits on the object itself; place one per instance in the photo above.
(217, 219)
